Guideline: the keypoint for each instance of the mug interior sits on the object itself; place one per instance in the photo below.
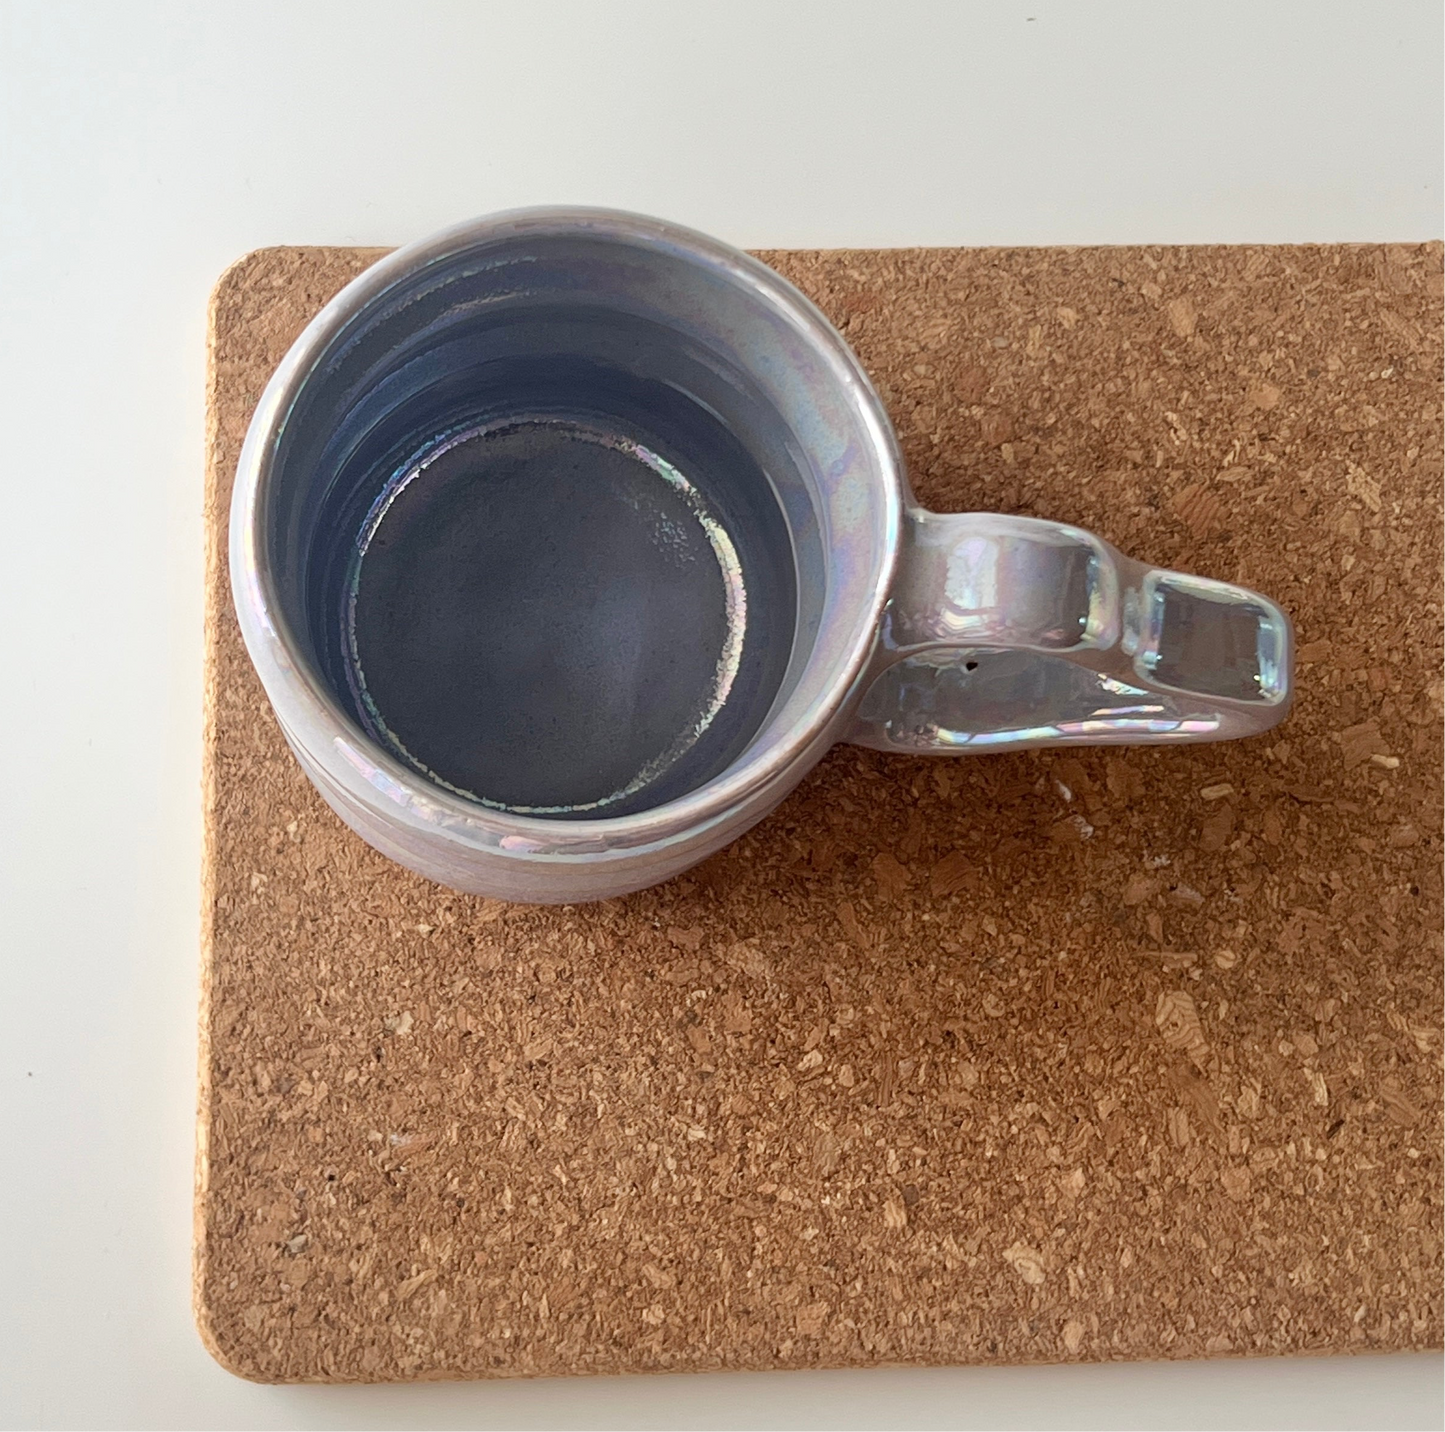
(577, 519)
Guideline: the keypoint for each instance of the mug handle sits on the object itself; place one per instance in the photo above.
(1003, 633)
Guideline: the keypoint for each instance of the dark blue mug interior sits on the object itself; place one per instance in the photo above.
(542, 536)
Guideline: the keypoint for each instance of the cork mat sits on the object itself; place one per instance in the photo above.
(995, 1059)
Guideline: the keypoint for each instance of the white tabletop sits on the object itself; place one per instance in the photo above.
(145, 146)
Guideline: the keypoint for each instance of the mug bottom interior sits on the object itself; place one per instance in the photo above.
(565, 614)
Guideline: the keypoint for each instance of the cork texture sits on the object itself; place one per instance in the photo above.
(1096, 1055)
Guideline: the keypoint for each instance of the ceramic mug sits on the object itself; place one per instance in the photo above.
(567, 541)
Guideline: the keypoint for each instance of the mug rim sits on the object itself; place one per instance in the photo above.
(280, 660)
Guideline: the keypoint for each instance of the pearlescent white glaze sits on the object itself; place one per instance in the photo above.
(914, 632)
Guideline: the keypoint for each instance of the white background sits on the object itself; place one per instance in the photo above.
(145, 146)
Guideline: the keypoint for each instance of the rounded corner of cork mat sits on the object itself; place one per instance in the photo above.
(1088, 1054)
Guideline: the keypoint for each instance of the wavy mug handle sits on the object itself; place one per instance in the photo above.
(1004, 633)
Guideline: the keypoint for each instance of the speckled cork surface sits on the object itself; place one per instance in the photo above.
(996, 1059)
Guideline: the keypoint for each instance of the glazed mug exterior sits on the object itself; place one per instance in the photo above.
(915, 632)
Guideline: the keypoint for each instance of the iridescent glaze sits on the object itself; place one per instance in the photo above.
(850, 614)
(1008, 632)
